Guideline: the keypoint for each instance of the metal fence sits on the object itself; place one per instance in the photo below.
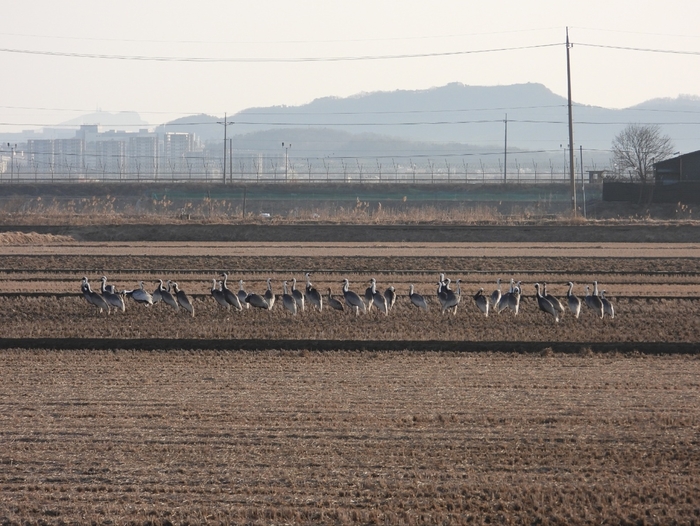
(268, 177)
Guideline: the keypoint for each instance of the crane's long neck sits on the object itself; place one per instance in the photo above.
(595, 288)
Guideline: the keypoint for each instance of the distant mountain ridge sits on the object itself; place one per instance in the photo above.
(123, 120)
(457, 113)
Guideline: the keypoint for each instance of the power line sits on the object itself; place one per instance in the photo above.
(646, 50)
(380, 124)
(268, 60)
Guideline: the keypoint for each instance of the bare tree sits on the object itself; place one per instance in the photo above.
(638, 147)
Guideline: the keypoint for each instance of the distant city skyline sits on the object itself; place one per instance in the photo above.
(165, 59)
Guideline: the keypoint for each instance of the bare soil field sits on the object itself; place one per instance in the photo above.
(40, 283)
(412, 436)
(190, 437)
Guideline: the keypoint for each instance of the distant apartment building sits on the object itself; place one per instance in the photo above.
(62, 157)
(69, 157)
(116, 155)
(111, 159)
(143, 156)
(40, 155)
(177, 148)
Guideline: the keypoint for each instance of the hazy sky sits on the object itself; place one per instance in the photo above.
(261, 53)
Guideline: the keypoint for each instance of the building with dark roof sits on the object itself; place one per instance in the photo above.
(682, 168)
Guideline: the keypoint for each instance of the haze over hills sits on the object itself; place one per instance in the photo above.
(473, 115)
(123, 120)
(450, 121)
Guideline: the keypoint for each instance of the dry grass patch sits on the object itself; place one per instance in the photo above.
(32, 238)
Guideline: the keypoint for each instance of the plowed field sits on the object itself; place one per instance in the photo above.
(348, 438)
(648, 284)
(194, 435)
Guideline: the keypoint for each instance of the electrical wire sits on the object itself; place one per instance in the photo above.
(646, 50)
(271, 59)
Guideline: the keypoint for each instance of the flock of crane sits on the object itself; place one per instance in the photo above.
(294, 300)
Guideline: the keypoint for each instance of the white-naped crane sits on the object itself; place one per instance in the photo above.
(242, 295)
(256, 300)
(588, 299)
(594, 301)
(157, 295)
(607, 305)
(378, 298)
(506, 299)
(551, 299)
(352, 299)
(514, 300)
(182, 299)
(167, 297)
(218, 294)
(92, 297)
(312, 295)
(297, 295)
(84, 289)
(390, 296)
(332, 302)
(482, 302)
(453, 297)
(417, 299)
(288, 301)
(115, 300)
(496, 294)
(140, 295)
(369, 297)
(545, 305)
(441, 293)
(269, 295)
(230, 296)
(573, 301)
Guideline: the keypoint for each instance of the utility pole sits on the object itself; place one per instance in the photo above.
(230, 159)
(225, 123)
(12, 160)
(583, 182)
(286, 164)
(505, 152)
(571, 129)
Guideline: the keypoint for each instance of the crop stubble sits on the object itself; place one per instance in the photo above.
(645, 288)
(348, 437)
(359, 437)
